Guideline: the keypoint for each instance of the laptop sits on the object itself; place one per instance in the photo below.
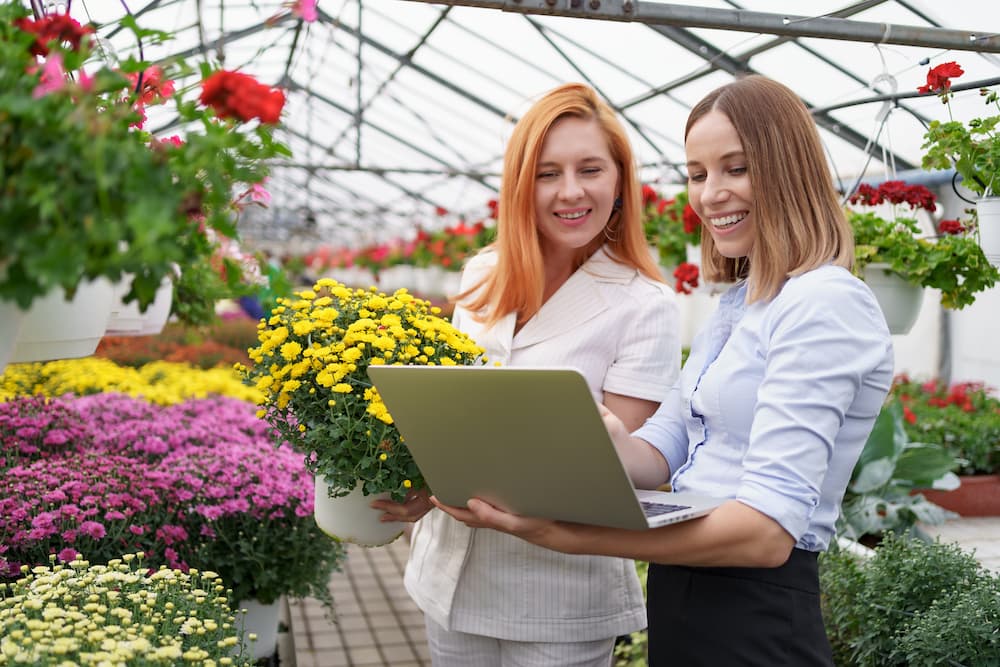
(528, 440)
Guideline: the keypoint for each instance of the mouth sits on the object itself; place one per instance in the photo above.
(573, 218)
(727, 221)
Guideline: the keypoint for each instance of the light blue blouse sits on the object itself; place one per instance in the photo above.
(777, 398)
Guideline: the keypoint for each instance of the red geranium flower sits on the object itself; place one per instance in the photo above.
(56, 27)
(939, 78)
(236, 95)
(951, 227)
(692, 222)
(687, 277)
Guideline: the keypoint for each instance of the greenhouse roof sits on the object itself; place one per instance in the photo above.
(399, 109)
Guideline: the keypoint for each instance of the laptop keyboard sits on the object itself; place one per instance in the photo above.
(656, 509)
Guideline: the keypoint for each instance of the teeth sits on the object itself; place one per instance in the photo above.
(572, 216)
(728, 220)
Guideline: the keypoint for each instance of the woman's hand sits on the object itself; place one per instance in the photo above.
(416, 505)
(557, 535)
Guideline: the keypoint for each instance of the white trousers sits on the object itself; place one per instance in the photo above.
(460, 649)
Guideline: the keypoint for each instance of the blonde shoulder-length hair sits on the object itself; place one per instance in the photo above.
(799, 222)
(517, 281)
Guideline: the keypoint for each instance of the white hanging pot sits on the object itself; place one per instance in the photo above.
(988, 213)
(125, 318)
(350, 519)
(900, 301)
(262, 620)
(54, 328)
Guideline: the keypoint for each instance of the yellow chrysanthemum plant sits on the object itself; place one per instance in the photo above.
(312, 368)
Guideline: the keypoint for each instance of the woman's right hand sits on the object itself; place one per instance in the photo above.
(416, 505)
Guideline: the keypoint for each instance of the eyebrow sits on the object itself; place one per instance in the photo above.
(594, 158)
(725, 156)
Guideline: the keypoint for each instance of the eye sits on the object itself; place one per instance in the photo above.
(738, 170)
(546, 175)
(592, 171)
(696, 178)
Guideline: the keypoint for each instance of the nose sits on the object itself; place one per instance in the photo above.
(570, 189)
(714, 190)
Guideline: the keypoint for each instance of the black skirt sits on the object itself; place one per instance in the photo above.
(737, 616)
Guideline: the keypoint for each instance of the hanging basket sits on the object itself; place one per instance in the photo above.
(54, 328)
(127, 320)
(900, 301)
(988, 213)
(350, 519)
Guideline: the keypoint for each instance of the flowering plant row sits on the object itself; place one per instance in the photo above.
(311, 366)
(117, 614)
(963, 417)
(196, 484)
(160, 382)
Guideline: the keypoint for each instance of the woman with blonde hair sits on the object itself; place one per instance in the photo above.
(568, 282)
(773, 407)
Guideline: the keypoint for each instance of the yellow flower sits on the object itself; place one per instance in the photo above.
(340, 332)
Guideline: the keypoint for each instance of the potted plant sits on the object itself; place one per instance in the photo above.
(896, 260)
(117, 613)
(972, 148)
(888, 484)
(311, 365)
(964, 419)
(87, 194)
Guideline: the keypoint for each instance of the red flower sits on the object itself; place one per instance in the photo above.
(692, 223)
(909, 415)
(939, 78)
(441, 211)
(57, 27)
(951, 227)
(494, 208)
(687, 277)
(648, 195)
(236, 95)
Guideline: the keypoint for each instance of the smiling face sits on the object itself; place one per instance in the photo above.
(576, 182)
(718, 184)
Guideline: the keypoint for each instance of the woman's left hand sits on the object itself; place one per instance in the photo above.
(543, 532)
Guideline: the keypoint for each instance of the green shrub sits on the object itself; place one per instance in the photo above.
(913, 603)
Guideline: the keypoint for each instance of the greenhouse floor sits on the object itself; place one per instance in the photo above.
(378, 624)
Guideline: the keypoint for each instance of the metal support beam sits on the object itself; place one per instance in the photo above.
(657, 13)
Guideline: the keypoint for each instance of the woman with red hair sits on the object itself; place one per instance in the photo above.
(568, 282)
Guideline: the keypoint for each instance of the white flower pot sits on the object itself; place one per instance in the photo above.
(125, 318)
(350, 519)
(900, 301)
(11, 317)
(54, 328)
(262, 620)
(988, 212)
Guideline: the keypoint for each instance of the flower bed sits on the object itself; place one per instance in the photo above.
(963, 417)
(195, 484)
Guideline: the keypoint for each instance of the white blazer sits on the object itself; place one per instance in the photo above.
(620, 330)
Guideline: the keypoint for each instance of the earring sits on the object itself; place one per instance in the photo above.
(617, 205)
(608, 235)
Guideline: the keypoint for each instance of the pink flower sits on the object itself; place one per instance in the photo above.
(305, 10)
(67, 555)
(259, 195)
(53, 76)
